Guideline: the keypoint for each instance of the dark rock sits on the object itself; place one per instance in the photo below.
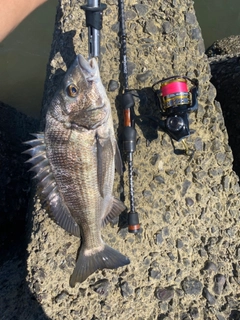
(207, 295)
(179, 243)
(155, 274)
(210, 266)
(113, 85)
(166, 27)
(130, 15)
(141, 9)
(159, 179)
(131, 67)
(186, 185)
(101, 287)
(219, 282)
(220, 317)
(144, 76)
(165, 231)
(147, 193)
(164, 294)
(61, 296)
(192, 286)
(198, 197)
(189, 202)
(159, 238)
(115, 27)
(150, 27)
(194, 312)
(171, 256)
(154, 159)
(126, 290)
(167, 217)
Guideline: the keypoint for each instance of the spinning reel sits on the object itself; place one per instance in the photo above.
(175, 102)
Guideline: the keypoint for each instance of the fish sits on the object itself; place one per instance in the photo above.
(74, 161)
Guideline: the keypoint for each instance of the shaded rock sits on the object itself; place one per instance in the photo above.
(219, 282)
(210, 266)
(126, 289)
(192, 286)
(194, 312)
(141, 9)
(210, 298)
(144, 76)
(113, 85)
(101, 287)
(164, 294)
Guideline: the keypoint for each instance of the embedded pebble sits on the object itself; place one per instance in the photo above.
(113, 85)
(155, 274)
(141, 9)
(179, 243)
(219, 282)
(101, 287)
(194, 312)
(210, 266)
(126, 290)
(189, 201)
(192, 286)
(210, 298)
(164, 294)
(144, 76)
(159, 237)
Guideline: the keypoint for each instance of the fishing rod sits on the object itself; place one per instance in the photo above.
(129, 132)
(93, 11)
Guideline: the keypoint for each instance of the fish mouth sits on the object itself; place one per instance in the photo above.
(89, 67)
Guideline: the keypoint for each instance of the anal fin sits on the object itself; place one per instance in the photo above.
(116, 209)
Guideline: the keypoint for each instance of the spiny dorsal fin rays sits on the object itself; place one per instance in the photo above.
(39, 148)
(40, 166)
(47, 185)
(42, 174)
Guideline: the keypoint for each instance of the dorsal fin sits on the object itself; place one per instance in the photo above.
(50, 195)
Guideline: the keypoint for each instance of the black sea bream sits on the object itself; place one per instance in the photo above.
(74, 161)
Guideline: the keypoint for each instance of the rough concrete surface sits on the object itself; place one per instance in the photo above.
(185, 262)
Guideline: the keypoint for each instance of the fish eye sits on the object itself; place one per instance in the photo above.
(72, 90)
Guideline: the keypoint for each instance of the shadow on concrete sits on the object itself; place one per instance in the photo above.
(16, 300)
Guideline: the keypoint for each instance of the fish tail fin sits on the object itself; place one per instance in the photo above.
(108, 258)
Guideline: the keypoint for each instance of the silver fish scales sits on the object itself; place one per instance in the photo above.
(75, 160)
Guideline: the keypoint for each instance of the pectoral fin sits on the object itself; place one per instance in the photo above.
(105, 156)
(118, 161)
